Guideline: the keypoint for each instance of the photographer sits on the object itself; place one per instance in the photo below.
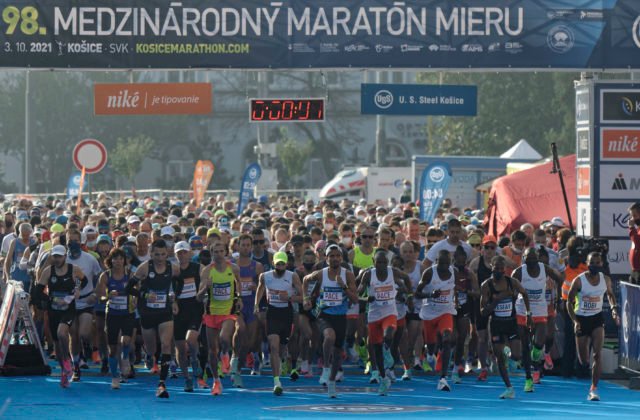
(576, 265)
(634, 235)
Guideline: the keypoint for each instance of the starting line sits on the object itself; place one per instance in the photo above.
(92, 397)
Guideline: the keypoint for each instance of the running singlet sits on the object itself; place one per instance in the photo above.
(221, 291)
(247, 279)
(536, 290)
(465, 284)
(505, 309)
(279, 289)
(156, 288)
(61, 289)
(443, 304)
(362, 260)
(121, 304)
(190, 282)
(333, 300)
(384, 293)
(590, 298)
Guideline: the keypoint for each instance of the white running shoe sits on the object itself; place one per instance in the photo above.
(443, 385)
(324, 378)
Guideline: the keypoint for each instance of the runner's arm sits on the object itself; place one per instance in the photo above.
(297, 285)
(350, 287)
(576, 286)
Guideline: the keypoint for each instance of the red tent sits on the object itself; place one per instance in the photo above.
(532, 195)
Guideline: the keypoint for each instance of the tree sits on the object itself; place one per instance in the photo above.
(128, 155)
(293, 155)
(535, 106)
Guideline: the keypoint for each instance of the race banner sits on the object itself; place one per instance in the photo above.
(249, 181)
(434, 185)
(304, 34)
(201, 178)
(630, 326)
(73, 185)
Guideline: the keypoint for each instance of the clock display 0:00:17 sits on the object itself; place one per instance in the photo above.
(286, 110)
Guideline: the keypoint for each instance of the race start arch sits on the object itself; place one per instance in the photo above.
(308, 34)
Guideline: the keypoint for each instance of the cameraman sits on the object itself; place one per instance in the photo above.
(576, 265)
(634, 235)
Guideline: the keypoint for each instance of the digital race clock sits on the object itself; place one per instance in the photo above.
(286, 110)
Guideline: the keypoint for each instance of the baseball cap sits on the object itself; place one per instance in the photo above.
(279, 257)
(57, 228)
(88, 229)
(488, 239)
(220, 212)
(133, 219)
(60, 206)
(474, 240)
(172, 219)
(330, 248)
(58, 250)
(321, 244)
(105, 238)
(196, 242)
(213, 231)
(181, 246)
(62, 220)
(167, 231)
(557, 221)
(309, 219)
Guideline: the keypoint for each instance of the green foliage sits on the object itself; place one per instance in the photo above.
(538, 107)
(128, 155)
(292, 154)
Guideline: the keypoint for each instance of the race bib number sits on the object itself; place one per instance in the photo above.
(443, 299)
(156, 300)
(332, 296)
(504, 308)
(222, 291)
(247, 287)
(590, 303)
(384, 295)
(58, 302)
(118, 303)
(535, 296)
(188, 289)
(462, 298)
(278, 296)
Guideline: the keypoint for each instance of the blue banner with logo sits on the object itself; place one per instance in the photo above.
(303, 34)
(249, 181)
(434, 185)
(73, 185)
(393, 99)
(630, 326)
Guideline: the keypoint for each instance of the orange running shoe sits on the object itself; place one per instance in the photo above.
(203, 384)
(155, 369)
(483, 375)
(217, 387)
(226, 364)
(95, 356)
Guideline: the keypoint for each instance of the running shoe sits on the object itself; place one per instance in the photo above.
(536, 354)
(431, 362)
(375, 377)
(277, 387)
(340, 375)
(115, 383)
(482, 376)
(385, 384)
(455, 377)
(536, 376)
(389, 373)
(95, 357)
(188, 385)
(162, 392)
(236, 380)
(76, 374)
(331, 389)
(548, 362)
(443, 385)
(388, 358)
(154, 369)
(285, 369)
(257, 367)
(352, 355)
(367, 368)
(202, 384)
(83, 364)
(509, 394)
(593, 395)
(407, 375)
(226, 364)
(324, 378)
(217, 387)
(64, 379)
(363, 353)
(173, 368)
(417, 365)
(305, 369)
(426, 366)
(294, 375)
(528, 385)
(126, 368)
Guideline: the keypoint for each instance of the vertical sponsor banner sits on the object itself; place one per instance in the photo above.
(201, 178)
(249, 181)
(73, 185)
(630, 326)
(434, 184)
(80, 186)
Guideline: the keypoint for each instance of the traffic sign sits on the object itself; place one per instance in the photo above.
(90, 154)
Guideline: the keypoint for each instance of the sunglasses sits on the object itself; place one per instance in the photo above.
(489, 247)
(476, 246)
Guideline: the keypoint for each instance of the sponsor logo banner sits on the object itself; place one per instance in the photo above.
(152, 98)
(201, 178)
(583, 143)
(249, 182)
(584, 181)
(300, 34)
(614, 219)
(630, 326)
(619, 181)
(618, 256)
(585, 218)
(620, 105)
(434, 185)
(391, 99)
(619, 144)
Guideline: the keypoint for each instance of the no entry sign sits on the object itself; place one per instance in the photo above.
(90, 154)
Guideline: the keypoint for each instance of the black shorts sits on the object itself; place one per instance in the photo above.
(465, 309)
(338, 323)
(189, 318)
(100, 312)
(587, 324)
(60, 317)
(413, 317)
(153, 320)
(280, 322)
(115, 324)
(503, 331)
(87, 310)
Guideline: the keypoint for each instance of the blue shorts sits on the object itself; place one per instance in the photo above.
(248, 303)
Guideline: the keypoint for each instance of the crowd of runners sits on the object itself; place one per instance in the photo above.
(302, 288)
